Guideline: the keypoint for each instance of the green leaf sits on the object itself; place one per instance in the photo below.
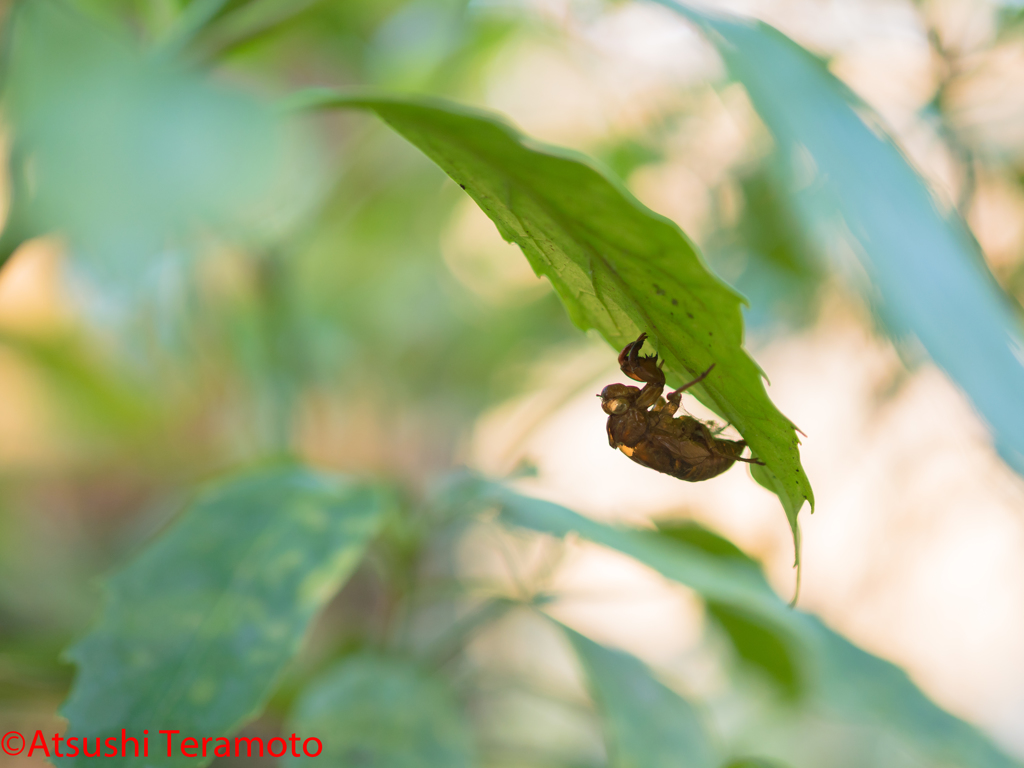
(927, 269)
(753, 762)
(738, 597)
(17, 227)
(90, 392)
(730, 581)
(761, 644)
(247, 22)
(617, 266)
(646, 724)
(156, 149)
(692, 534)
(758, 640)
(835, 676)
(377, 711)
(857, 686)
(196, 15)
(781, 270)
(196, 631)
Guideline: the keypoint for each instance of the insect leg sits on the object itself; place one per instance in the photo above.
(628, 356)
(676, 395)
(673, 402)
(634, 352)
(650, 394)
(737, 446)
(640, 368)
(748, 461)
(689, 384)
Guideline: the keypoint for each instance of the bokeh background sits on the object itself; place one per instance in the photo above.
(202, 282)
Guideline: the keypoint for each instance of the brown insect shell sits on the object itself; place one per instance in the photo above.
(640, 367)
(618, 398)
(626, 426)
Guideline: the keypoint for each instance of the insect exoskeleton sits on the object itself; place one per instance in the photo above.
(643, 425)
(618, 398)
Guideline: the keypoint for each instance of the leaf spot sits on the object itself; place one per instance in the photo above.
(202, 691)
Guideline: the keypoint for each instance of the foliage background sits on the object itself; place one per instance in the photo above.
(340, 298)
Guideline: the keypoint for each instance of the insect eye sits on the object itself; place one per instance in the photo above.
(616, 405)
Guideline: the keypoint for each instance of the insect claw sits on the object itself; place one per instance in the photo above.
(646, 368)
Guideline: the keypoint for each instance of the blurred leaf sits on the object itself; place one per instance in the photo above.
(730, 581)
(196, 15)
(457, 636)
(627, 155)
(840, 678)
(414, 41)
(89, 390)
(757, 640)
(1009, 19)
(646, 724)
(806, 658)
(372, 711)
(17, 226)
(693, 534)
(761, 644)
(776, 267)
(738, 597)
(196, 631)
(250, 21)
(440, 348)
(864, 688)
(754, 762)
(617, 266)
(155, 151)
(858, 188)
